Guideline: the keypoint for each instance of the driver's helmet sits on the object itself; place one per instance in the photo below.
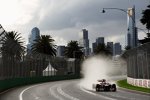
(103, 80)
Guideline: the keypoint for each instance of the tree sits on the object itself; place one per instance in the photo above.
(127, 47)
(145, 20)
(12, 51)
(44, 46)
(102, 49)
(12, 45)
(73, 50)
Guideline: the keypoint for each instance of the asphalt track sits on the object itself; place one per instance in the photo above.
(67, 90)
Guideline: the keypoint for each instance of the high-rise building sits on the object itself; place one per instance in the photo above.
(132, 37)
(35, 34)
(84, 41)
(117, 49)
(94, 46)
(110, 46)
(61, 51)
(100, 40)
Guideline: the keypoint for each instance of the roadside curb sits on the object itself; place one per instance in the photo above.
(134, 91)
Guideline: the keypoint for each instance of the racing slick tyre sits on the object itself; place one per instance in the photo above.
(97, 88)
(113, 88)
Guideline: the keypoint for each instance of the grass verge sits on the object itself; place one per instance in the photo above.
(124, 84)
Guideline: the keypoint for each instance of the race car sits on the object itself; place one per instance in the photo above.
(102, 85)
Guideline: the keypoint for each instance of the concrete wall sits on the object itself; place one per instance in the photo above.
(139, 82)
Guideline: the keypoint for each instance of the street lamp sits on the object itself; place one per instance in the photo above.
(131, 15)
(124, 10)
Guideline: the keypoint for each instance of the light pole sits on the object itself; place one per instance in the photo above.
(131, 26)
(104, 9)
(129, 13)
(123, 10)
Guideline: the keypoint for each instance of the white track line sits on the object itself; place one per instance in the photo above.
(54, 94)
(59, 89)
(20, 96)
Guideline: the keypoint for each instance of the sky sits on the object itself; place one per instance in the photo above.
(64, 19)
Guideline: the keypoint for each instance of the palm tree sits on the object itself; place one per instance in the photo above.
(44, 46)
(145, 20)
(127, 47)
(12, 51)
(73, 50)
(102, 49)
(12, 45)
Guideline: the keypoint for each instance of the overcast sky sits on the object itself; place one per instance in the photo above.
(64, 19)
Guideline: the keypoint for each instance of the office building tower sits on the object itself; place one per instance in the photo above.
(132, 37)
(94, 46)
(35, 34)
(117, 49)
(100, 40)
(61, 51)
(84, 41)
(110, 46)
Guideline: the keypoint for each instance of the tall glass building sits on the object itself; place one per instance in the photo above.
(100, 40)
(132, 37)
(35, 34)
(117, 49)
(61, 51)
(84, 41)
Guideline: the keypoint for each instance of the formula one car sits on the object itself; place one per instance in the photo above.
(102, 85)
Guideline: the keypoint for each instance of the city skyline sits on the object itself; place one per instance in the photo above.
(75, 15)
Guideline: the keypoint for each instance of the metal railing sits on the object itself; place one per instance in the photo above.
(138, 62)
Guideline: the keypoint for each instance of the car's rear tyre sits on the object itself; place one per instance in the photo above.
(97, 87)
(113, 88)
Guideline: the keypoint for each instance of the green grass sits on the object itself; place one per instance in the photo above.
(124, 84)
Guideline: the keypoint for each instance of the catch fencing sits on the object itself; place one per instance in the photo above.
(37, 67)
(138, 64)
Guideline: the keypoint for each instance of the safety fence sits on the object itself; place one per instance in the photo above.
(138, 64)
(35, 70)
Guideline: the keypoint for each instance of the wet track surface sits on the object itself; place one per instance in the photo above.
(67, 90)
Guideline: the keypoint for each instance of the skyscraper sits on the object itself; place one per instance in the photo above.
(117, 49)
(61, 51)
(100, 40)
(84, 41)
(132, 37)
(110, 46)
(35, 34)
(94, 46)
